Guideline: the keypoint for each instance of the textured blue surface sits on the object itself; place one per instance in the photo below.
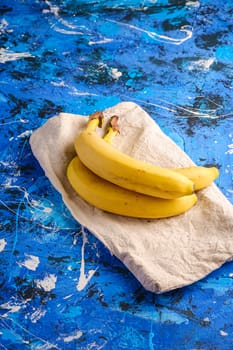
(59, 287)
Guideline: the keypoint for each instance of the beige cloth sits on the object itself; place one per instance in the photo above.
(162, 254)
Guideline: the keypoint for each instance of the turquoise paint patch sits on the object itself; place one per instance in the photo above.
(74, 311)
(169, 316)
(219, 289)
(11, 336)
(224, 53)
(132, 339)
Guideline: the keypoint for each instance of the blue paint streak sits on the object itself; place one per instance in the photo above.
(15, 239)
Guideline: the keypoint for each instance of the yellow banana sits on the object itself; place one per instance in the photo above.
(112, 165)
(199, 175)
(114, 199)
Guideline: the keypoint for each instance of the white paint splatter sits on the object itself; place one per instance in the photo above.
(201, 64)
(7, 55)
(76, 335)
(65, 31)
(172, 107)
(3, 27)
(223, 333)
(73, 90)
(115, 73)
(83, 278)
(40, 207)
(48, 283)
(188, 30)
(55, 10)
(11, 307)
(24, 134)
(37, 315)
(68, 296)
(3, 243)
(31, 263)
(230, 151)
(193, 3)
(101, 41)
(47, 210)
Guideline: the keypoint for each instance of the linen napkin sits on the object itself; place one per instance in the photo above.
(163, 254)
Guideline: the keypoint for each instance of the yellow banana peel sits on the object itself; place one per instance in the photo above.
(111, 198)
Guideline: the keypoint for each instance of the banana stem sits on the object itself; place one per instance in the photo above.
(109, 136)
(95, 120)
(112, 130)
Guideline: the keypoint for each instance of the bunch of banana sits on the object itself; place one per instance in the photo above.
(115, 182)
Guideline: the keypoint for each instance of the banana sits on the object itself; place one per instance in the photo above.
(114, 166)
(199, 175)
(114, 199)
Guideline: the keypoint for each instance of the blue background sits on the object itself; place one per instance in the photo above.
(173, 58)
